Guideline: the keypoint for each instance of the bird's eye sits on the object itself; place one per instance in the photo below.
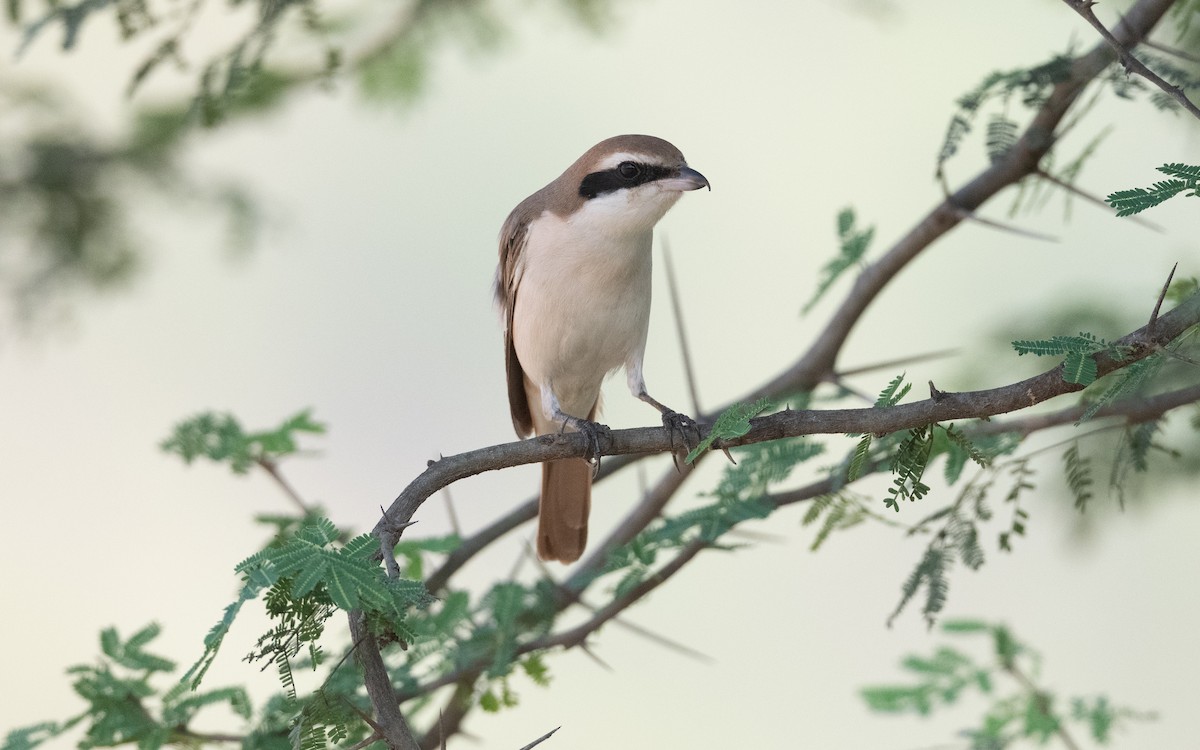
(629, 170)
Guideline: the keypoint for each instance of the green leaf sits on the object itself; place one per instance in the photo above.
(853, 245)
(895, 390)
(1001, 137)
(1079, 368)
(930, 573)
(1136, 200)
(27, 738)
(535, 667)
(1079, 476)
(965, 626)
(1128, 381)
(960, 449)
(762, 465)
(130, 653)
(908, 465)
(858, 459)
(255, 581)
(734, 422)
(838, 512)
(1183, 171)
(489, 702)
(220, 438)
(1040, 721)
(413, 552)
(1084, 343)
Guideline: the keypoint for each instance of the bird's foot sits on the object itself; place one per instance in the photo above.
(598, 437)
(683, 425)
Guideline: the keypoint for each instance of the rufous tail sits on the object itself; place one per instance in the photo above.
(563, 509)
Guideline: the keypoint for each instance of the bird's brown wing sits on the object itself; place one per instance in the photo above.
(508, 277)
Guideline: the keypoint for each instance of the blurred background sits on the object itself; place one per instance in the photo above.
(332, 246)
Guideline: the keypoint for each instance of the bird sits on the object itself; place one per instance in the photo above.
(573, 290)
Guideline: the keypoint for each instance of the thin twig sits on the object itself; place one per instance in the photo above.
(541, 739)
(1171, 50)
(898, 362)
(1131, 63)
(272, 470)
(1077, 192)
(455, 526)
(667, 643)
(567, 597)
(963, 213)
(365, 742)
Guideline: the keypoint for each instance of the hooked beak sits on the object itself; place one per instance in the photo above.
(686, 179)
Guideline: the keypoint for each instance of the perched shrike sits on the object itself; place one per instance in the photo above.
(573, 288)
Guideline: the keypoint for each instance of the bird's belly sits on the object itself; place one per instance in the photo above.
(571, 328)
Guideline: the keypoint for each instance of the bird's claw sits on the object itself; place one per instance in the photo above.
(682, 424)
(598, 436)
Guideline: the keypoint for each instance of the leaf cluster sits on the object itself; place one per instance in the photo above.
(1018, 710)
(852, 246)
(907, 455)
(221, 438)
(66, 190)
(310, 570)
(123, 703)
(306, 580)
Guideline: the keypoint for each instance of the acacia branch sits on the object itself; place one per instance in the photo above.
(877, 420)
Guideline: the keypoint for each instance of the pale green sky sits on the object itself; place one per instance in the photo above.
(368, 299)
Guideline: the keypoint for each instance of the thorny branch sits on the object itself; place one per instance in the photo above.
(816, 365)
(1131, 63)
(946, 406)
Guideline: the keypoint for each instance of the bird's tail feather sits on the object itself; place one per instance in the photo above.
(563, 509)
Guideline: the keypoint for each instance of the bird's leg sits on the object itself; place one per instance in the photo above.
(672, 420)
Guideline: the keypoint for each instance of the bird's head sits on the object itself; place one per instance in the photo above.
(630, 181)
